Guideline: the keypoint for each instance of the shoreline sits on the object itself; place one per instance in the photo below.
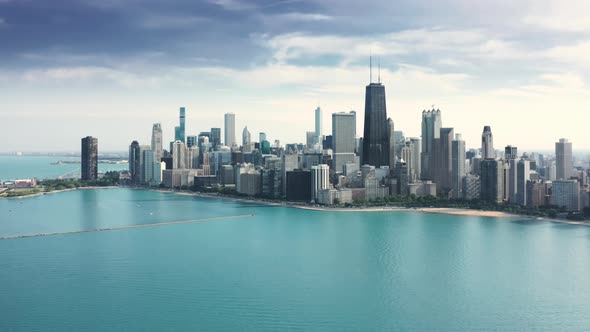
(298, 205)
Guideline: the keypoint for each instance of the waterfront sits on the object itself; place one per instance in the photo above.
(42, 167)
(284, 268)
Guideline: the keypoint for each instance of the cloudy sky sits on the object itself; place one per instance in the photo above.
(111, 68)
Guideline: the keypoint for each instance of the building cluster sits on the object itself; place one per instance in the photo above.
(341, 168)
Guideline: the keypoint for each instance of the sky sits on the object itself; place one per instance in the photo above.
(112, 68)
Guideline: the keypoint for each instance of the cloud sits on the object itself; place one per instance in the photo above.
(559, 16)
(80, 75)
(170, 21)
(304, 17)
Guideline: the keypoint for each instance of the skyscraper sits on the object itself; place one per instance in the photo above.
(343, 139)
(487, 143)
(523, 175)
(230, 129)
(491, 184)
(376, 134)
(416, 158)
(318, 125)
(392, 138)
(157, 141)
(320, 179)
(563, 159)
(89, 156)
(246, 138)
(443, 160)
(458, 166)
(510, 152)
(179, 132)
(215, 137)
(135, 162)
(431, 124)
(261, 137)
(178, 155)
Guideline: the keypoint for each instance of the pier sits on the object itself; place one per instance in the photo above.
(167, 223)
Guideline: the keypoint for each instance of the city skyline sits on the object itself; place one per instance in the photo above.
(506, 64)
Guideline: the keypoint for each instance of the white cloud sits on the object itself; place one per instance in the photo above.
(83, 74)
(570, 16)
(311, 17)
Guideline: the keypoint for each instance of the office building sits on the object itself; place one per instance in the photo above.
(458, 166)
(320, 179)
(431, 124)
(491, 180)
(415, 163)
(443, 163)
(376, 134)
(318, 126)
(471, 187)
(566, 194)
(179, 131)
(343, 139)
(215, 139)
(157, 142)
(523, 171)
(230, 129)
(135, 163)
(246, 138)
(510, 152)
(192, 141)
(178, 155)
(487, 143)
(89, 158)
(563, 159)
(535, 194)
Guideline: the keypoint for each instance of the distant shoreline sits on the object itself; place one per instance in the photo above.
(303, 206)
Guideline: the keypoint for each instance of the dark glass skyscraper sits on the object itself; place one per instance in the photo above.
(135, 162)
(376, 133)
(179, 132)
(89, 158)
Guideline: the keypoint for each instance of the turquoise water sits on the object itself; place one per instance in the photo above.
(26, 167)
(284, 269)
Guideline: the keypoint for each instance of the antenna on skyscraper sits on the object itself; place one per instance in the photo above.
(378, 70)
(371, 68)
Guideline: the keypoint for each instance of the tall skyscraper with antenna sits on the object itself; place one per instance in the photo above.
(376, 134)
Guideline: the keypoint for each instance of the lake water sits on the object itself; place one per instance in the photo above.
(283, 269)
(40, 167)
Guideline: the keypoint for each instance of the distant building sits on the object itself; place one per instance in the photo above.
(563, 159)
(491, 184)
(246, 138)
(487, 143)
(566, 194)
(230, 129)
(458, 166)
(216, 137)
(343, 139)
(135, 163)
(523, 176)
(471, 187)
(320, 179)
(535, 194)
(510, 152)
(318, 126)
(431, 124)
(157, 142)
(178, 155)
(298, 186)
(376, 134)
(89, 158)
(179, 132)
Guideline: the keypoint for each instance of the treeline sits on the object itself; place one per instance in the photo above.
(109, 179)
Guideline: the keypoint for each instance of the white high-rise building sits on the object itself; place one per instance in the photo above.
(563, 159)
(178, 155)
(230, 129)
(523, 174)
(458, 165)
(416, 157)
(487, 143)
(157, 141)
(318, 125)
(246, 137)
(320, 179)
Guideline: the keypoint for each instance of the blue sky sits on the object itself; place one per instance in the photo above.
(111, 68)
